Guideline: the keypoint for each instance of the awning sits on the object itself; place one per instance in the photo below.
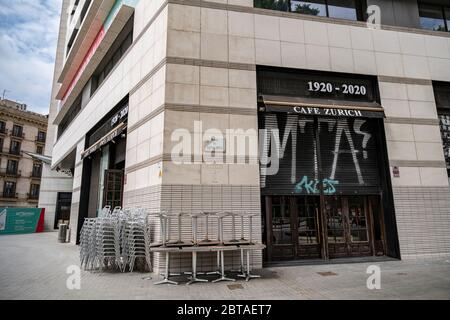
(103, 141)
(318, 107)
(40, 157)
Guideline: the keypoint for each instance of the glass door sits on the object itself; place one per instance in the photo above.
(113, 191)
(308, 211)
(281, 225)
(348, 226)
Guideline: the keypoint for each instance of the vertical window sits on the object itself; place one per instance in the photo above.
(2, 127)
(39, 150)
(12, 167)
(41, 136)
(17, 131)
(9, 189)
(37, 170)
(15, 147)
(432, 17)
(34, 191)
(1, 145)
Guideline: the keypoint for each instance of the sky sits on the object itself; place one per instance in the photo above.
(28, 37)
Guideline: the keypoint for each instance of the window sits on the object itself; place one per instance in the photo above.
(17, 131)
(340, 9)
(37, 170)
(315, 8)
(34, 191)
(1, 145)
(9, 189)
(442, 97)
(2, 127)
(41, 136)
(12, 167)
(433, 17)
(118, 49)
(39, 150)
(15, 147)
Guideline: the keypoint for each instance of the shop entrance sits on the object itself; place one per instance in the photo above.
(298, 229)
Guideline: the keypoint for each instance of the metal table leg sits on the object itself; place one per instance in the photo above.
(167, 273)
(249, 275)
(243, 274)
(222, 270)
(218, 265)
(194, 270)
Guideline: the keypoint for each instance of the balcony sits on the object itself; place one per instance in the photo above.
(36, 174)
(13, 153)
(11, 196)
(92, 24)
(39, 139)
(17, 135)
(32, 197)
(73, 80)
(10, 173)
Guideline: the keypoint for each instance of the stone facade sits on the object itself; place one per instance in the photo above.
(196, 61)
(20, 174)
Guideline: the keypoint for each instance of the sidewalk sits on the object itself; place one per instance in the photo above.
(34, 267)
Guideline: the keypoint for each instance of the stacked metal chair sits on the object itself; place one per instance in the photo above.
(133, 238)
(105, 242)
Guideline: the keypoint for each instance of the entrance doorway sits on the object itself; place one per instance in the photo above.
(63, 206)
(298, 228)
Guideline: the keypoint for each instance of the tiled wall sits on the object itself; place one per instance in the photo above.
(423, 220)
(194, 199)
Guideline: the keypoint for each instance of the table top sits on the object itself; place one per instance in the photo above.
(256, 246)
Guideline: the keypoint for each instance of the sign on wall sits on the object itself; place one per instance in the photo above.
(21, 220)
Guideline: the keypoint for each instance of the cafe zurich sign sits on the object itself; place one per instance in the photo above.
(326, 111)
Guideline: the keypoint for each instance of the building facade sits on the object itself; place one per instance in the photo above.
(21, 132)
(332, 131)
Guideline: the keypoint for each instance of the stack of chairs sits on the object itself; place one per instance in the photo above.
(116, 239)
(133, 238)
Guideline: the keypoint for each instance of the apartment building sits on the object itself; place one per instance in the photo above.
(345, 124)
(21, 133)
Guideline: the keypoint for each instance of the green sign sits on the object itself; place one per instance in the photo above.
(21, 220)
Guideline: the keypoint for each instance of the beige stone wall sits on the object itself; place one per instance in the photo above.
(31, 127)
(52, 181)
(196, 61)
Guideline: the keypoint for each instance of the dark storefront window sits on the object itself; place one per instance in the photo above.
(340, 9)
(434, 17)
(442, 97)
(324, 173)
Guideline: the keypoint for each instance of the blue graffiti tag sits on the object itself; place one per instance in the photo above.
(311, 186)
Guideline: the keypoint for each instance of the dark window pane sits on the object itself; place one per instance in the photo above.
(342, 9)
(431, 17)
(315, 8)
(281, 5)
(447, 17)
